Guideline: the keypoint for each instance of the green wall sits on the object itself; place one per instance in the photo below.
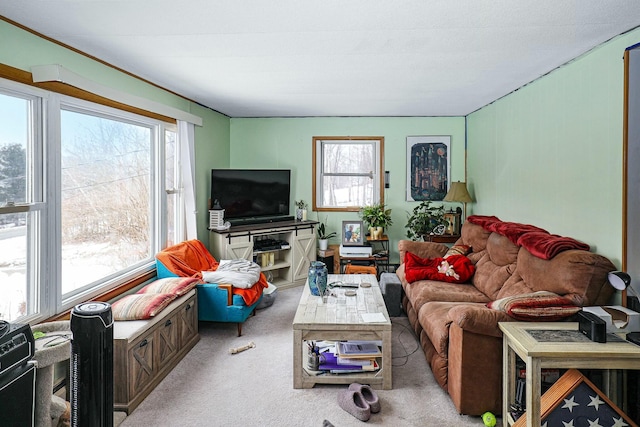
(550, 154)
(287, 143)
(22, 49)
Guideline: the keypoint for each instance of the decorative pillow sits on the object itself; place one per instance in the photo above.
(536, 306)
(170, 285)
(455, 269)
(458, 250)
(140, 306)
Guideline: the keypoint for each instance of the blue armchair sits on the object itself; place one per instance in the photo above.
(217, 302)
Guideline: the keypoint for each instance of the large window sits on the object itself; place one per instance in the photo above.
(87, 197)
(347, 172)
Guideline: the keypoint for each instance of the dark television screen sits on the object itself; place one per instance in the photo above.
(251, 193)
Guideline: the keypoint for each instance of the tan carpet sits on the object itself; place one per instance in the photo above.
(211, 387)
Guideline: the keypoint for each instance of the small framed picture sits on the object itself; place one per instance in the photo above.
(452, 221)
(352, 233)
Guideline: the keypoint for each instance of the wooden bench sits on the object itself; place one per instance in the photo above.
(145, 351)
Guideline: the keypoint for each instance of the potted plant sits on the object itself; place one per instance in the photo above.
(425, 219)
(323, 237)
(377, 218)
(301, 210)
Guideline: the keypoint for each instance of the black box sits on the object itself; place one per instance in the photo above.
(592, 326)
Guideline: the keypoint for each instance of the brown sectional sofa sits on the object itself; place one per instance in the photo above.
(460, 335)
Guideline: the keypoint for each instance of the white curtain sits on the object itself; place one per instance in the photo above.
(186, 132)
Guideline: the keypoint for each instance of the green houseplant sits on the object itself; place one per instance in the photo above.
(377, 217)
(324, 236)
(424, 219)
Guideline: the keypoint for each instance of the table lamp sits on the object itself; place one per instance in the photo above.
(621, 281)
(458, 193)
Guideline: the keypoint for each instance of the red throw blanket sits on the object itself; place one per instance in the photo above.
(546, 246)
(191, 258)
(513, 230)
(536, 240)
(453, 269)
(483, 220)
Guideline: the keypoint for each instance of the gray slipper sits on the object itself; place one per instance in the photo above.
(368, 394)
(353, 402)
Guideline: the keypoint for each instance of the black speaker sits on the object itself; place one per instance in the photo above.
(92, 365)
(592, 326)
(17, 396)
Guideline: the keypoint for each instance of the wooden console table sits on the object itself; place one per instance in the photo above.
(554, 345)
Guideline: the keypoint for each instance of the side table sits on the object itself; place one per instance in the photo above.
(554, 345)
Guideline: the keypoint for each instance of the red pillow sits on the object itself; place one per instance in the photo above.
(454, 269)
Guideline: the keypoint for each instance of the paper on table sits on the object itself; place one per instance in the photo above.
(373, 317)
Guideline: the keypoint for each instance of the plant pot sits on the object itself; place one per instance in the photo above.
(323, 244)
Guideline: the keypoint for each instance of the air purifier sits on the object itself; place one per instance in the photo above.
(92, 365)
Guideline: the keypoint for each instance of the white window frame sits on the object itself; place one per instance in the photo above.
(44, 257)
(376, 175)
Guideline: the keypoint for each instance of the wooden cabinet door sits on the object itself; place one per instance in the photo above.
(304, 251)
(166, 341)
(187, 322)
(141, 363)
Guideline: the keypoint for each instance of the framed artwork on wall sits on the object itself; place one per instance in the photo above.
(352, 233)
(428, 167)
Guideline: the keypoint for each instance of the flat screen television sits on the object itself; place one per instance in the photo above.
(250, 196)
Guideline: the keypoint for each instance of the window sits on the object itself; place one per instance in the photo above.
(93, 214)
(21, 204)
(347, 172)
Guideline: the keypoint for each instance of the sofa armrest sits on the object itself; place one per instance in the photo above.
(479, 319)
(421, 249)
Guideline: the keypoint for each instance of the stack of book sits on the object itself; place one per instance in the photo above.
(351, 357)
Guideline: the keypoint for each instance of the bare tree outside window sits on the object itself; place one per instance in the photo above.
(347, 172)
(106, 178)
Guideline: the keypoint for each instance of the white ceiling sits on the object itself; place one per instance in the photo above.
(332, 57)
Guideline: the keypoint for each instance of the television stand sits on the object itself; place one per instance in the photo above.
(286, 266)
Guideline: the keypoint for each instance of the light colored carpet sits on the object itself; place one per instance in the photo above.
(211, 387)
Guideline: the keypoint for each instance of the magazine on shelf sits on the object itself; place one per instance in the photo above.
(358, 350)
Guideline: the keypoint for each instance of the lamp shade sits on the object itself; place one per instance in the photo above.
(458, 193)
(619, 280)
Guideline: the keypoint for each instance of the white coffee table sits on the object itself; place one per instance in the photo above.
(338, 319)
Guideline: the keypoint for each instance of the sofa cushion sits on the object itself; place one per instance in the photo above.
(432, 290)
(170, 285)
(578, 275)
(476, 237)
(435, 323)
(536, 306)
(140, 306)
(496, 266)
(455, 269)
(421, 249)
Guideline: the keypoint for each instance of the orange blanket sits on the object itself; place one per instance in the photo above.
(190, 258)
